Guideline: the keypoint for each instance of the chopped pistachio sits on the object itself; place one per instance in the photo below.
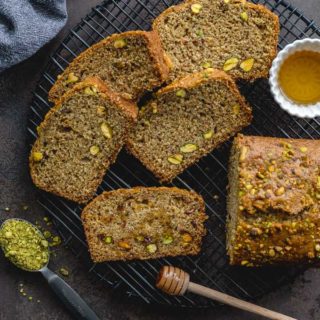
(175, 159)
(280, 191)
(88, 91)
(139, 238)
(64, 272)
(272, 253)
(271, 169)
(247, 65)
(154, 107)
(208, 135)
(7, 209)
(199, 33)
(230, 64)
(317, 247)
(244, 16)
(30, 298)
(236, 109)
(120, 43)
(94, 150)
(244, 262)
(196, 8)
(226, 1)
(55, 241)
(303, 149)
(45, 243)
(108, 240)
(206, 65)
(127, 96)
(37, 156)
(8, 234)
(152, 248)
(47, 234)
(260, 175)
(101, 111)
(181, 93)
(25, 208)
(106, 130)
(243, 153)
(167, 239)
(188, 148)
(72, 78)
(146, 122)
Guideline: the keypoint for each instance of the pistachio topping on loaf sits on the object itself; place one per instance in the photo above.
(144, 223)
(79, 139)
(130, 63)
(235, 36)
(274, 201)
(186, 121)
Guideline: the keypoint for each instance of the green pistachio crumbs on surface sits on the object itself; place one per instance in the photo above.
(23, 245)
(64, 271)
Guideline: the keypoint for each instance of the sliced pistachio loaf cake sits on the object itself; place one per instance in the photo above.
(232, 35)
(129, 63)
(186, 120)
(79, 139)
(144, 223)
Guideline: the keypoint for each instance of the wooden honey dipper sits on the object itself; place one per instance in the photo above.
(175, 281)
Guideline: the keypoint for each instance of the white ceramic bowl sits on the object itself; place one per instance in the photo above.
(302, 111)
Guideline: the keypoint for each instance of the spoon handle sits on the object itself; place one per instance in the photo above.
(71, 299)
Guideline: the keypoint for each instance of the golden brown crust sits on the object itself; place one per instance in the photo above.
(130, 110)
(188, 82)
(122, 255)
(278, 220)
(158, 56)
(153, 44)
(260, 8)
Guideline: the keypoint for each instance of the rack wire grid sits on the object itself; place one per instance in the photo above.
(208, 177)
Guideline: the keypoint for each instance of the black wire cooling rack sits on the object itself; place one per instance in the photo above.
(208, 177)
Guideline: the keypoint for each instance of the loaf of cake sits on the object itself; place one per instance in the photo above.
(232, 35)
(144, 223)
(186, 120)
(274, 201)
(79, 139)
(130, 63)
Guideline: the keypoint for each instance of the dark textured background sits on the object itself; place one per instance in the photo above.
(300, 299)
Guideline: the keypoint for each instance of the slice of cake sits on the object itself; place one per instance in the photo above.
(235, 36)
(186, 121)
(274, 201)
(144, 223)
(130, 63)
(79, 139)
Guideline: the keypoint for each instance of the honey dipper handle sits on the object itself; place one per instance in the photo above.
(235, 302)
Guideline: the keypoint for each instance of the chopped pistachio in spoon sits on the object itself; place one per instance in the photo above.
(24, 245)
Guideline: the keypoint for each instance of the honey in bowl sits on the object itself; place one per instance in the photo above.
(299, 77)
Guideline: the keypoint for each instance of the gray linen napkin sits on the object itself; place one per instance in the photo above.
(26, 25)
